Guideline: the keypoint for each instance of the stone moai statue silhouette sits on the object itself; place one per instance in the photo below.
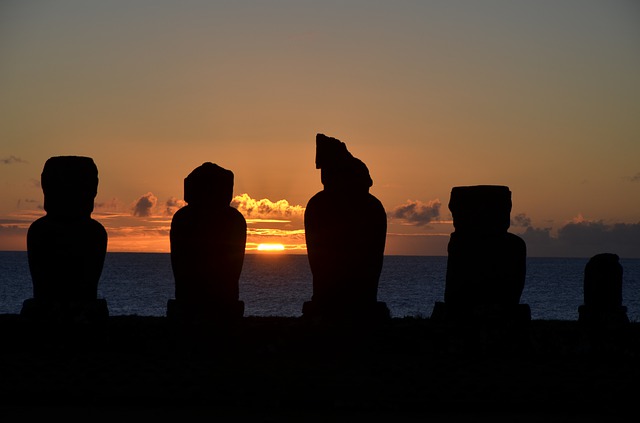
(66, 248)
(603, 292)
(345, 229)
(208, 238)
(486, 264)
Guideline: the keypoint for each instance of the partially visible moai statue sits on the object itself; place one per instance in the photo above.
(603, 291)
(66, 248)
(208, 238)
(346, 229)
(486, 264)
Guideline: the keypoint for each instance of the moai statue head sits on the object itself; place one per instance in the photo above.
(602, 306)
(70, 185)
(209, 184)
(481, 208)
(340, 171)
(603, 281)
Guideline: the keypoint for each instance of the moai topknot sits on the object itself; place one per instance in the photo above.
(208, 238)
(345, 229)
(67, 247)
(486, 265)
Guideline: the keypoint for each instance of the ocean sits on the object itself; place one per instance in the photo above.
(278, 284)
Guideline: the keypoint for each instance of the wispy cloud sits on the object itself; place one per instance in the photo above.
(13, 229)
(417, 213)
(11, 160)
(111, 205)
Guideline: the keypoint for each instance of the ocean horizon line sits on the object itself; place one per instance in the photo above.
(285, 253)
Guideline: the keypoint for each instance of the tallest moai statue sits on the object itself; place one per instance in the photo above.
(345, 231)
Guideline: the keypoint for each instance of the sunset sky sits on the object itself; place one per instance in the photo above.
(540, 96)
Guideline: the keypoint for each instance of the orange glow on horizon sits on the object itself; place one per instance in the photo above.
(270, 247)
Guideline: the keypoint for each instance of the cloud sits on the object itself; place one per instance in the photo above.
(522, 220)
(618, 236)
(144, 206)
(265, 208)
(417, 213)
(172, 205)
(581, 238)
(12, 160)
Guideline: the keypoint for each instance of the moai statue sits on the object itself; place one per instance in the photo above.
(603, 292)
(345, 229)
(208, 238)
(66, 247)
(486, 265)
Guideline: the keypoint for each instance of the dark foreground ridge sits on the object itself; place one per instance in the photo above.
(286, 368)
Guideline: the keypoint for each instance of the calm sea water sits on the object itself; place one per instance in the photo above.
(278, 285)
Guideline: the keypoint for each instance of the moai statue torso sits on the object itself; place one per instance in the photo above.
(486, 265)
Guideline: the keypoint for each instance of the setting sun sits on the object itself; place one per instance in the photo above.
(270, 247)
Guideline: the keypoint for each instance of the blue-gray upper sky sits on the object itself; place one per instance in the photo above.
(543, 97)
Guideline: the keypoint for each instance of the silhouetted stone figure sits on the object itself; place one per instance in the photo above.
(345, 229)
(486, 265)
(208, 239)
(66, 248)
(603, 292)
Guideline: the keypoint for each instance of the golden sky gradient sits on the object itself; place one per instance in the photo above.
(543, 97)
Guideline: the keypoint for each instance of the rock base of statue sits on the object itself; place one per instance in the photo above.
(482, 313)
(65, 311)
(495, 329)
(188, 313)
(375, 312)
(614, 316)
